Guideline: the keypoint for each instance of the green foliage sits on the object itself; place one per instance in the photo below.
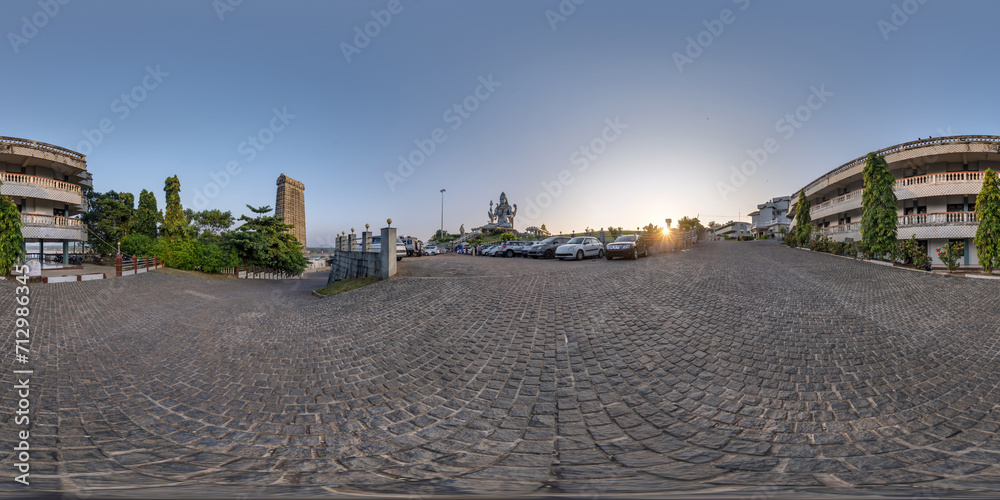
(11, 237)
(174, 222)
(803, 219)
(878, 203)
(911, 252)
(652, 228)
(108, 219)
(950, 255)
(821, 243)
(987, 238)
(263, 241)
(147, 217)
(210, 222)
(792, 239)
(508, 237)
(191, 254)
(138, 244)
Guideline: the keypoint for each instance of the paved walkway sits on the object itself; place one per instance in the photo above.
(746, 368)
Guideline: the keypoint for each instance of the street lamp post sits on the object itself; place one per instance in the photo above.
(441, 234)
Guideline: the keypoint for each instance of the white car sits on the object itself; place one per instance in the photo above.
(377, 246)
(430, 250)
(580, 248)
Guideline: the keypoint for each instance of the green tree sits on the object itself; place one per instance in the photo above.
(11, 237)
(174, 222)
(652, 228)
(878, 207)
(108, 220)
(803, 221)
(987, 238)
(147, 217)
(264, 241)
(210, 222)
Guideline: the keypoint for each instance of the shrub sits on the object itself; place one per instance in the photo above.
(138, 244)
(951, 253)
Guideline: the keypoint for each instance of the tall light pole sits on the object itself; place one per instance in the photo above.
(441, 234)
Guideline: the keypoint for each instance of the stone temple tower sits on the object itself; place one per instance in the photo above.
(291, 204)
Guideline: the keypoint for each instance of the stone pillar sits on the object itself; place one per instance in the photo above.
(351, 242)
(387, 253)
(602, 237)
(366, 241)
(65, 252)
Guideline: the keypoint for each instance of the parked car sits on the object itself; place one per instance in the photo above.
(580, 248)
(527, 246)
(547, 247)
(510, 248)
(430, 250)
(627, 245)
(400, 247)
(491, 251)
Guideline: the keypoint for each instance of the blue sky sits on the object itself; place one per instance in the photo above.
(592, 114)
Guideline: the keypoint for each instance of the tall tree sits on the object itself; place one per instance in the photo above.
(214, 222)
(11, 238)
(147, 217)
(264, 241)
(803, 219)
(174, 222)
(108, 219)
(878, 207)
(987, 238)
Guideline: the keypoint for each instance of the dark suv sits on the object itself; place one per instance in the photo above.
(547, 247)
(629, 246)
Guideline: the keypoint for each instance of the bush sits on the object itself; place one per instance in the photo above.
(190, 254)
(792, 239)
(138, 244)
(951, 253)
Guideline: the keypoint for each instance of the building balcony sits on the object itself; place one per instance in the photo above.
(53, 227)
(35, 149)
(30, 186)
(921, 186)
(947, 225)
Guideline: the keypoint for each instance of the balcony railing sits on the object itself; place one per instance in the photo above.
(43, 146)
(920, 180)
(40, 181)
(935, 219)
(50, 220)
(969, 139)
(939, 218)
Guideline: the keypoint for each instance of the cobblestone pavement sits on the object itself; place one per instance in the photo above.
(732, 366)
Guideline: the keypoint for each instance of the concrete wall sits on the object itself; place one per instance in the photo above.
(348, 265)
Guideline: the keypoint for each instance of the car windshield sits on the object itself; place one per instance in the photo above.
(575, 241)
(627, 237)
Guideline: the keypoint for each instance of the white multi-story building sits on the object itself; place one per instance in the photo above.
(937, 181)
(46, 183)
(770, 217)
(732, 229)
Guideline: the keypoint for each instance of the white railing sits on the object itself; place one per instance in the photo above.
(841, 228)
(938, 219)
(920, 180)
(49, 220)
(969, 139)
(6, 177)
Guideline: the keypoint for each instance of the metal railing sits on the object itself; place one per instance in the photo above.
(920, 180)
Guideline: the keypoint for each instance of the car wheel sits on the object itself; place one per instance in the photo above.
(609, 257)
(635, 254)
(600, 253)
(510, 253)
(549, 254)
(579, 255)
(398, 259)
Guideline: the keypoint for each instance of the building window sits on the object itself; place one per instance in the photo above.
(956, 207)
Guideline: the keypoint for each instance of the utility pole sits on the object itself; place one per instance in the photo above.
(441, 234)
